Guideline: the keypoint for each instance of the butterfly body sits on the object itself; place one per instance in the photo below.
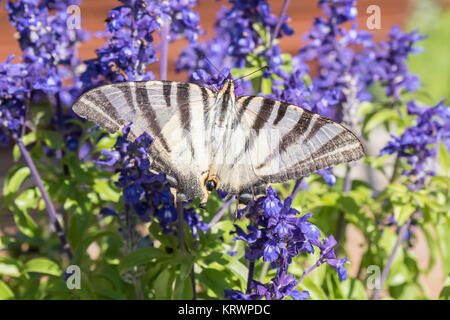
(206, 140)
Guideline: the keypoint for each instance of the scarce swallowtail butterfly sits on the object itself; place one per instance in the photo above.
(206, 140)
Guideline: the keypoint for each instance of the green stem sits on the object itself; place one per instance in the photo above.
(130, 243)
(251, 271)
(184, 248)
(341, 220)
(394, 171)
(391, 258)
(45, 196)
(307, 271)
(138, 288)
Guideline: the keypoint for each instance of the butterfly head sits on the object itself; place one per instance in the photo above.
(210, 183)
(227, 87)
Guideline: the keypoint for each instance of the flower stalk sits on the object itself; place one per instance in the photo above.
(347, 186)
(164, 56)
(48, 203)
(184, 248)
(280, 21)
(251, 271)
(220, 213)
(391, 258)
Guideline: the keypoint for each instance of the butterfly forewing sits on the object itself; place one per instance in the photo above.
(175, 114)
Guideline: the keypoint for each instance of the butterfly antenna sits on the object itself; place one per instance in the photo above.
(247, 75)
(202, 56)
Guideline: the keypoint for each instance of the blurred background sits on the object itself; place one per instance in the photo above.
(431, 17)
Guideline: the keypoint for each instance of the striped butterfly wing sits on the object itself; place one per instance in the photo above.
(175, 114)
(277, 142)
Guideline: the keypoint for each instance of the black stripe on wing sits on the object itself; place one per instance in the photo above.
(281, 112)
(143, 102)
(184, 106)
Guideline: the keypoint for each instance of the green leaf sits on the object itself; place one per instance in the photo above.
(105, 143)
(26, 140)
(287, 62)
(266, 86)
(106, 190)
(183, 289)
(78, 226)
(432, 246)
(445, 292)
(9, 267)
(432, 69)
(15, 179)
(399, 273)
(186, 267)
(315, 291)
(5, 292)
(110, 294)
(237, 268)
(43, 265)
(163, 284)
(16, 153)
(348, 204)
(140, 256)
(402, 212)
(262, 32)
(443, 240)
(25, 201)
(51, 138)
(249, 73)
(354, 289)
(377, 162)
(379, 118)
(215, 281)
(80, 244)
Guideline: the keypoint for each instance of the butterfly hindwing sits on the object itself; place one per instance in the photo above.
(283, 142)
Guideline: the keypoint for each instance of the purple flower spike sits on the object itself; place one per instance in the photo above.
(235, 38)
(418, 144)
(277, 235)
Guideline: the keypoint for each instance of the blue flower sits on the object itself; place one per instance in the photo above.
(418, 143)
(166, 214)
(343, 72)
(326, 247)
(272, 250)
(390, 62)
(238, 295)
(299, 295)
(272, 205)
(339, 266)
(236, 37)
(111, 157)
(130, 47)
(132, 193)
(328, 176)
(14, 90)
(277, 235)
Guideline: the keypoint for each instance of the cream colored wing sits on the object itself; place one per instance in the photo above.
(175, 114)
(273, 141)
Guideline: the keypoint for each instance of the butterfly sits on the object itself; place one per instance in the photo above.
(212, 139)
